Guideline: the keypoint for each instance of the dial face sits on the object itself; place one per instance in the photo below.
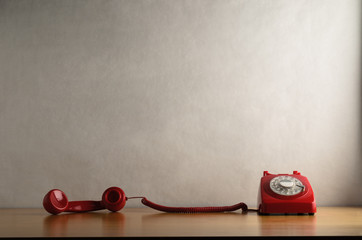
(286, 185)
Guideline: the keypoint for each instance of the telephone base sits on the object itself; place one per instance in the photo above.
(286, 194)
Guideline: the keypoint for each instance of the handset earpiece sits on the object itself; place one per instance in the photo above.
(114, 199)
(55, 202)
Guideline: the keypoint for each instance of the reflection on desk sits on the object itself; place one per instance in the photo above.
(72, 224)
(140, 222)
(304, 225)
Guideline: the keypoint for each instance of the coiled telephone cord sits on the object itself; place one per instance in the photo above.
(167, 209)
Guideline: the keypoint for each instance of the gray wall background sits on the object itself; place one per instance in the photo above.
(185, 102)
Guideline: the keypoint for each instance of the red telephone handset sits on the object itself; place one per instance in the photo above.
(286, 194)
(280, 194)
(55, 202)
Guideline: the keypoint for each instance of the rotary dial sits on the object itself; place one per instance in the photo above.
(286, 185)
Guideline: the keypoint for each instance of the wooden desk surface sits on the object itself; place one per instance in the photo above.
(138, 222)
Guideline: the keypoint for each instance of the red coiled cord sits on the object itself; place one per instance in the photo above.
(158, 207)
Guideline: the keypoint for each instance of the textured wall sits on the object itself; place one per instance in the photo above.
(185, 102)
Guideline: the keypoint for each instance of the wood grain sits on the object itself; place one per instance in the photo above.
(329, 221)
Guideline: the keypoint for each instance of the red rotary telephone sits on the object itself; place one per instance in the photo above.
(278, 194)
(286, 194)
